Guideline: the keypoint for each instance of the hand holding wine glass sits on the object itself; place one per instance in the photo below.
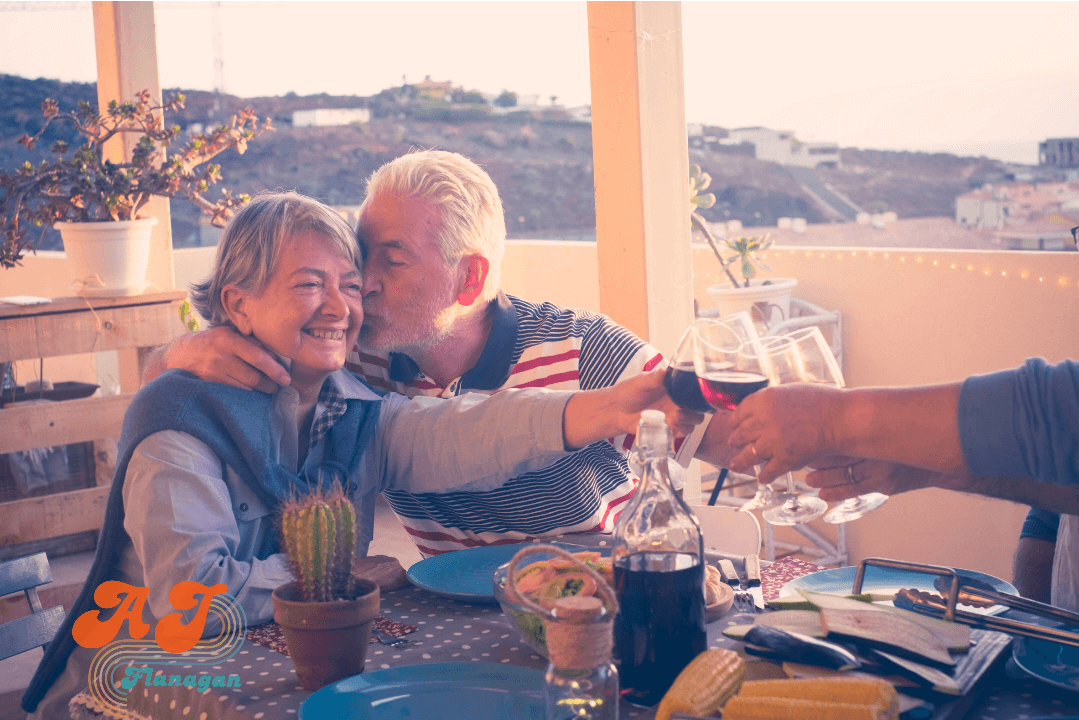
(792, 361)
(822, 368)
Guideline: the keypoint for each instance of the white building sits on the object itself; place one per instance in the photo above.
(326, 117)
(780, 146)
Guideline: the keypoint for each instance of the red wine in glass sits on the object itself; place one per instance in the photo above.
(683, 388)
(723, 389)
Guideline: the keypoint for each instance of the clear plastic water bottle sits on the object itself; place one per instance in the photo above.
(581, 680)
(658, 559)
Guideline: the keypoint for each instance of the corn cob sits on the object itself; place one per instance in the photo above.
(838, 698)
(774, 708)
(704, 685)
(859, 691)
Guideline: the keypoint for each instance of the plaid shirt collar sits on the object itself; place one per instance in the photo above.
(334, 403)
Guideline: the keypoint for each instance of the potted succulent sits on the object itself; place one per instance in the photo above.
(95, 203)
(767, 301)
(326, 613)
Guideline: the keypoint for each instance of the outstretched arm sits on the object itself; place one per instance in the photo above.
(785, 428)
(220, 355)
(595, 415)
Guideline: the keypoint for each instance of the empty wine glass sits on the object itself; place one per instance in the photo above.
(821, 367)
(792, 360)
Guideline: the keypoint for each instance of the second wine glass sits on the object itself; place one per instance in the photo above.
(789, 361)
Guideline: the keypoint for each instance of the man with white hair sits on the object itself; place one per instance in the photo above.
(436, 323)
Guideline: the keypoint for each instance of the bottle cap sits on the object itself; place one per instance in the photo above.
(578, 607)
(653, 417)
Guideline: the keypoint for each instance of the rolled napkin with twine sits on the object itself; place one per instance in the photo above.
(579, 629)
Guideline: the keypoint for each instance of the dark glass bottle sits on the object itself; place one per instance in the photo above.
(658, 558)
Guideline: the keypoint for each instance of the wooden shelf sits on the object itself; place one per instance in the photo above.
(70, 326)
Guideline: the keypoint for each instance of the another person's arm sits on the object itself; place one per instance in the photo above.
(220, 355)
(179, 514)
(892, 479)
(1021, 422)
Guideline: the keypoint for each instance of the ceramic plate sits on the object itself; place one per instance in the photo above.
(448, 691)
(466, 574)
(1052, 662)
(885, 581)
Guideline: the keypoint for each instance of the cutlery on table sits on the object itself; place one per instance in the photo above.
(753, 579)
(387, 639)
(743, 601)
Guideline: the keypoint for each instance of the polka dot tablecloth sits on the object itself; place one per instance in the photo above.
(453, 631)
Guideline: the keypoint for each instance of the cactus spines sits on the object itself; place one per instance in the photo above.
(318, 531)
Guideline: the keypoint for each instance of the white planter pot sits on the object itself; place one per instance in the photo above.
(766, 304)
(108, 259)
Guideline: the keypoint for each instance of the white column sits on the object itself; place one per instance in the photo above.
(641, 166)
(126, 40)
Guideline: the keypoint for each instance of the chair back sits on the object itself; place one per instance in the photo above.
(728, 529)
(40, 626)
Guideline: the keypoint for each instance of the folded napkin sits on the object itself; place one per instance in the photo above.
(781, 572)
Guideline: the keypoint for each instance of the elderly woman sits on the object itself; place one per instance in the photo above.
(202, 467)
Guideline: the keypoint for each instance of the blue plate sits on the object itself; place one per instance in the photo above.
(1052, 662)
(448, 691)
(885, 581)
(466, 574)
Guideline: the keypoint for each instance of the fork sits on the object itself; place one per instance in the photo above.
(387, 639)
(743, 601)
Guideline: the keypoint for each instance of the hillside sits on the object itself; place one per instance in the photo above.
(541, 161)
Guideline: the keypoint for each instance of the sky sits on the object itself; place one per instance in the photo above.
(969, 77)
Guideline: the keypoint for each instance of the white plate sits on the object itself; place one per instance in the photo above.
(886, 581)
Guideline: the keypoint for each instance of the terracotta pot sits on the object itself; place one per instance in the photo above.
(108, 259)
(326, 640)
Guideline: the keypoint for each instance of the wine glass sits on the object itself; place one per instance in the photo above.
(792, 359)
(820, 366)
(680, 380)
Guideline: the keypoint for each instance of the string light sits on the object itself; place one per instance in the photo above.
(1061, 281)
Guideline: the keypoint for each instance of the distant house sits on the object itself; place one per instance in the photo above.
(1059, 152)
(781, 146)
(582, 113)
(1050, 233)
(431, 90)
(326, 117)
(997, 206)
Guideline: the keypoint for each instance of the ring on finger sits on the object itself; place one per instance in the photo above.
(753, 449)
(851, 480)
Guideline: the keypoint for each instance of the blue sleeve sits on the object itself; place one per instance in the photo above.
(1023, 422)
(1040, 525)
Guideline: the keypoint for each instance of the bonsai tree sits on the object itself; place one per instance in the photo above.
(746, 249)
(81, 186)
(318, 533)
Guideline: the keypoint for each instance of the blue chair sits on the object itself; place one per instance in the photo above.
(40, 626)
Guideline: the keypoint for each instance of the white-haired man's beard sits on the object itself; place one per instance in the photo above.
(417, 325)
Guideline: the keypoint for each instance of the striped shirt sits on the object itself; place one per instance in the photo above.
(530, 345)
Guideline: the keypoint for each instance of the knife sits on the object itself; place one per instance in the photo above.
(730, 575)
(753, 577)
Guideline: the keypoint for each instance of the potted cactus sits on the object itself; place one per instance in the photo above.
(326, 612)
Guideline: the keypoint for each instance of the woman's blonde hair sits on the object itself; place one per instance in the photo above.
(252, 243)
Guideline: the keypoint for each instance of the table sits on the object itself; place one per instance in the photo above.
(450, 630)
